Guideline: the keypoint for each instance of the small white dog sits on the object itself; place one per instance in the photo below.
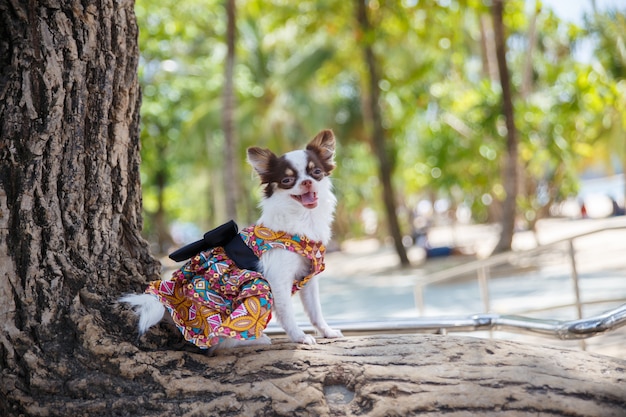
(218, 297)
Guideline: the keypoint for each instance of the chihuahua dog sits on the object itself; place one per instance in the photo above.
(215, 301)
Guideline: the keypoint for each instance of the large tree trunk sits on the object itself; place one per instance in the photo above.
(372, 109)
(70, 198)
(509, 161)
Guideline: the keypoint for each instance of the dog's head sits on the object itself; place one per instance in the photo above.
(297, 177)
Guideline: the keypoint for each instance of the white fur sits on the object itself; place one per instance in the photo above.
(280, 267)
(281, 212)
(148, 308)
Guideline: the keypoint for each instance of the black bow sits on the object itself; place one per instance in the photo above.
(226, 236)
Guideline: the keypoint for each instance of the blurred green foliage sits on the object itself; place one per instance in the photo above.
(299, 70)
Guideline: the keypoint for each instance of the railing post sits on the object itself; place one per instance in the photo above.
(483, 285)
(419, 299)
(574, 275)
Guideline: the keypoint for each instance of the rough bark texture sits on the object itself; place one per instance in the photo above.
(70, 197)
(429, 375)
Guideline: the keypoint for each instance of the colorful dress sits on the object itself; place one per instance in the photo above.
(211, 298)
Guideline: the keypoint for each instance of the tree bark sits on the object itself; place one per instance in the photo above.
(509, 161)
(395, 375)
(372, 107)
(70, 197)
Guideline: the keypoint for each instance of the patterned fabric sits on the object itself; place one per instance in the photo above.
(211, 298)
(261, 239)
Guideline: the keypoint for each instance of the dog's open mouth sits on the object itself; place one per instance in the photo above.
(308, 200)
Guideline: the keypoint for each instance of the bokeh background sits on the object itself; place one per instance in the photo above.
(299, 67)
(415, 98)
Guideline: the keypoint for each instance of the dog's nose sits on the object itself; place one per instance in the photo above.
(307, 183)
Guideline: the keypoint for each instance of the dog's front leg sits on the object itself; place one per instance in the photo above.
(283, 308)
(309, 295)
(279, 268)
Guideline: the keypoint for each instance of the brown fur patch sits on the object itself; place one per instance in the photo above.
(323, 146)
(277, 172)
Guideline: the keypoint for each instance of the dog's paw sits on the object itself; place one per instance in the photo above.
(305, 339)
(332, 333)
(229, 343)
(264, 340)
(308, 340)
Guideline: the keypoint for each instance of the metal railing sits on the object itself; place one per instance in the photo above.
(579, 329)
(482, 269)
(558, 329)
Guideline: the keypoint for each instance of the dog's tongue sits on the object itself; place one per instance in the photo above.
(308, 198)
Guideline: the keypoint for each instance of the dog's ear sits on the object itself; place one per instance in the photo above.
(323, 144)
(261, 160)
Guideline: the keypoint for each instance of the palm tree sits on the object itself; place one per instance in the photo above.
(510, 157)
(231, 164)
(378, 134)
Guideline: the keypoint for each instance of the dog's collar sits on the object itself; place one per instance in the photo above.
(261, 239)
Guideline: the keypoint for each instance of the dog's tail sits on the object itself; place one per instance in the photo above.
(148, 308)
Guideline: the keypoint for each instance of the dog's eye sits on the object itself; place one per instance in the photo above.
(287, 181)
(317, 173)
